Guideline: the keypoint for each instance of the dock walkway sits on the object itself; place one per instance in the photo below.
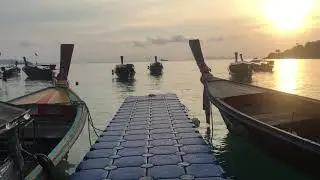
(150, 137)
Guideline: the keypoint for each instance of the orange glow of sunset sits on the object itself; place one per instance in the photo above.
(288, 15)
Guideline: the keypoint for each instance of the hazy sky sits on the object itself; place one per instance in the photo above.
(105, 29)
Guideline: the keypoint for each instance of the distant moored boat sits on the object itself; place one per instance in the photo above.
(156, 67)
(9, 71)
(38, 72)
(124, 71)
(240, 69)
(261, 65)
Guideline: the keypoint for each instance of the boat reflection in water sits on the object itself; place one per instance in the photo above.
(231, 152)
(156, 81)
(124, 86)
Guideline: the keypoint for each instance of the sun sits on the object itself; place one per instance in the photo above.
(287, 15)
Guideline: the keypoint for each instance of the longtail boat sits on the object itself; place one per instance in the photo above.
(38, 72)
(286, 125)
(240, 69)
(58, 117)
(261, 65)
(124, 71)
(156, 67)
(9, 71)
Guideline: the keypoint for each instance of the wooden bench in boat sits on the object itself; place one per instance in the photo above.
(275, 119)
(50, 120)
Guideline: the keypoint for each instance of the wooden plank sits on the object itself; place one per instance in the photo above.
(224, 89)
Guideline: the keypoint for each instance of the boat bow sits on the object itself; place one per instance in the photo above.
(66, 51)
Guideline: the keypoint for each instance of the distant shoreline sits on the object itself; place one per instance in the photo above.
(308, 51)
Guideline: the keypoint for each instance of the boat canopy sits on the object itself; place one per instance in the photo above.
(11, 116)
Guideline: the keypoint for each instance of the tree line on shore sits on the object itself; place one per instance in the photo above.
(311, 50)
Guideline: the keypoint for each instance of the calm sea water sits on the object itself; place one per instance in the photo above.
(240, 158)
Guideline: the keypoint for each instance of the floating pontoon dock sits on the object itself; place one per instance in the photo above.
(150, 137)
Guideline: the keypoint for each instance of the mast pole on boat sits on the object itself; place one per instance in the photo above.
(241, 57)
(198, 56)
(121, 59)
(236, 56)
(66, 51)
(205, 75)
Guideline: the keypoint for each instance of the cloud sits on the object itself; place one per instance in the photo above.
(160, 41)
(216, 39)
(139, 44)
(157, 41)
(25, 43)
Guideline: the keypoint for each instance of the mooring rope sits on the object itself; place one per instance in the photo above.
(211, 119)
(90, 121)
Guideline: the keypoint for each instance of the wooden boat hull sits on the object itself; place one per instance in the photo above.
(156, 70)
(263, 66)
(38, 74)
(123, 73)
(61, 150)
(256, 67)
(240, 70)
(299, 152)
(10, 72)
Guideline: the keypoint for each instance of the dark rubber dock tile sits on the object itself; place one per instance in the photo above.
(204, 170)
(132, 132)
(196, 149)
(163, 130)
(162, 142)
(135, 137)
(130, 161)
(109, 138)
(127, 173)
(162, 136)
(104, 145)
(112, 133)
(99, 163)
(137, 151)
(210, 178)
(100, 153)
(165, 159)
(166, 172)
(163, 150)
(189, 135)
(192, 141)
(93, 174)
(134, 143)
(160, 126)
(199, 158)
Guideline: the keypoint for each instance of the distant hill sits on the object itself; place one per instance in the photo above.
(311, 50)
(13, 61)
(10, 61)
